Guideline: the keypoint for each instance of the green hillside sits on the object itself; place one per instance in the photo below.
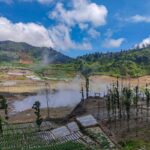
(133, 63)
(12, 52)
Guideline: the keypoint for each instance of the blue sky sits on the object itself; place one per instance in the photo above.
(76, 27)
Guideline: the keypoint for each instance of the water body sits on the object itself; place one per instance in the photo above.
(62, 98)
(69, 93)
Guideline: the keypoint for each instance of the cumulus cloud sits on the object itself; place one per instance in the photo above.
(81, 12)
(139, 18)
(34, 34)
(37, 35)
(113, 43)
(60, 36)
(93, 33)
(144, 43)
(83, 26)
(84, 13)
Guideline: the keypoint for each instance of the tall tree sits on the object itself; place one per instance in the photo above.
(82, 93)
(1, 127)
(47, 89)
(147, 93)
(86, 72)
(87, 86)
(39, 119)
(4, 105)
(108, 104)
(136, 99)
(128, 97)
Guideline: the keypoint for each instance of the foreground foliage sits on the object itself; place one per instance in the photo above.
(28, 139)
(135, 145)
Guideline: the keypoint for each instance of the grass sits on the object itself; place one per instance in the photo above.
(135, 145)
(69, 146)
(139, 142)
(21, 138)
(56, 71)
(100, 138)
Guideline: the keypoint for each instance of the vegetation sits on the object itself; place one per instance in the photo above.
(70, 146)
(25, 137)
(133, 63)
(128, 112)
(55, 71)
(4, 105)
(135, 145)
(36, 107)
(1, 129)
(24, 53)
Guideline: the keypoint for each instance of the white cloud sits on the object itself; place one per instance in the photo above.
(83, 26)
(82, 11)
(60, 36)
(113, 43)
(31, 33)
(37, 35)
(139, 18)
(93, 33)
(39, 1)
(144, 43)
(109, 33)
(6, 1)
(45, 1)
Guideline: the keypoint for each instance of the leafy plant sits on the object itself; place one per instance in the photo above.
(36, 107)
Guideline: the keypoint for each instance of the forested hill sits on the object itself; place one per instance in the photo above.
(133, 63)
(11, 52)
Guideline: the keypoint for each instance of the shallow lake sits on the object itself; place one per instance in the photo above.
(61, 98)
(69, 93)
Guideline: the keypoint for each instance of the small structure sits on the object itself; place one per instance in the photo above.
(87, 121)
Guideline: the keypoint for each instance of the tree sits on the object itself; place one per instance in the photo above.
(117, 97)
(1, 129)
(82, 93)
(127, 102)
(36, 107)
(87, 86)
(4, 105)
(47, 88)
(108, 104)
(86, 72)
(136, 99)
(147, 93)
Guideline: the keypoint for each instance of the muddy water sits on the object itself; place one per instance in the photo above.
(68, 92)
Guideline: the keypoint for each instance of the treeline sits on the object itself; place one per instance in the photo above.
(124, 63)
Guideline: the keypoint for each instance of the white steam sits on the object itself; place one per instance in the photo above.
(67, 95)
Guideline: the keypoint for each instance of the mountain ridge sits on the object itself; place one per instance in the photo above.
(133, 62)
(22, 52)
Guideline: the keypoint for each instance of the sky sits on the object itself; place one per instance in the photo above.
(77, 27)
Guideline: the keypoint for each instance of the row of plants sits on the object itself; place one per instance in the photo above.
(127, 103)
(23, 136)
(135, 145)
(97, 135)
